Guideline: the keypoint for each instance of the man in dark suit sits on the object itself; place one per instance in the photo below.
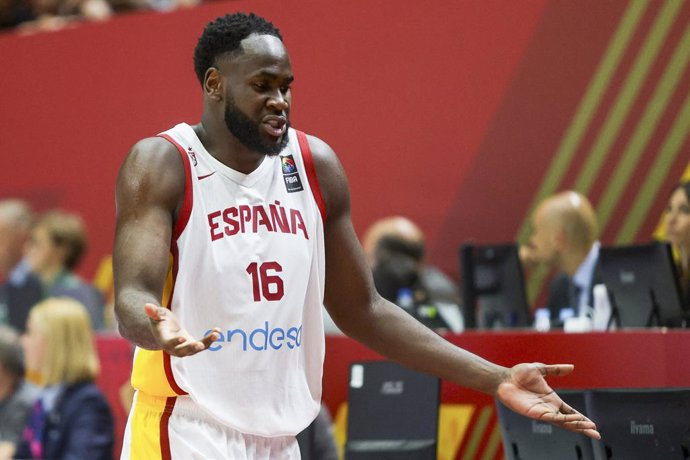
(564, 236)
(19, 289)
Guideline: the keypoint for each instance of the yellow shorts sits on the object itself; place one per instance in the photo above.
(176, 428)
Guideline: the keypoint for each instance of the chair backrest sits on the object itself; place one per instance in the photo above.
(641, 423)
(392, 412)
(528, 439)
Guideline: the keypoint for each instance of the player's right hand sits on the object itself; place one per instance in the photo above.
(172, 337)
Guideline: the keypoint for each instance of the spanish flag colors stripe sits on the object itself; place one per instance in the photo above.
(149, 420)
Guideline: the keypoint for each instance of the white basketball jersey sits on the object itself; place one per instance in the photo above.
(248, 257)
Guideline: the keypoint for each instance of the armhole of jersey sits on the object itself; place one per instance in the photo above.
(180, 225)
(311, 173)
(186, 210)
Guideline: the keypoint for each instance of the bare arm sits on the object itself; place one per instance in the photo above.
(150, 190)
(361, 313)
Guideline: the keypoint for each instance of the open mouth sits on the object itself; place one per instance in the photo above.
(275, 126)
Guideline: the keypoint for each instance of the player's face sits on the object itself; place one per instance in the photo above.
(42, 253)
(257, 95)
(678, 220)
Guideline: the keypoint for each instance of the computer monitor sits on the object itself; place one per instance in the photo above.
(392, 413)
(493, 287)
(525, 438)
(652, 423)
(642, 285)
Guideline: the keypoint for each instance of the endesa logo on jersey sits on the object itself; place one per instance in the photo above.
(263, 338)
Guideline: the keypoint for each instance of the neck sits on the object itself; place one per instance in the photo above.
(50, 274)
(225, 147)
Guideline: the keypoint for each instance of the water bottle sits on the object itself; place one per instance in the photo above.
(602, 308)
(405, 299)
(542, 320)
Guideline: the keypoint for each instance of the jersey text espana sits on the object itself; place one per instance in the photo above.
(248, 257)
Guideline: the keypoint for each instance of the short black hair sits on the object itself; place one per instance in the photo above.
(224, 34)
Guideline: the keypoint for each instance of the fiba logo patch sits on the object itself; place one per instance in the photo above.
(290, 174)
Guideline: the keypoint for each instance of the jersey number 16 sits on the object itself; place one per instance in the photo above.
(265, 282)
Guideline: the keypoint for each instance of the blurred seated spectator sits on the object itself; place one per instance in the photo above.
(16, 396)
(677, 223)
(56, 246)
(157, 5)
(400, 236)
(20, 289)
(13, 13)
(71, 418)
(56, 14)
(395, 249)
(32, 16)
(564, 236)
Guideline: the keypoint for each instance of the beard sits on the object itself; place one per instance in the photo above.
(247, 132)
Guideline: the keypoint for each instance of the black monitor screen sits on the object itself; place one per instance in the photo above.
(525, 438)
(641, 423)
(392, 412)
(642, 284)
(493, 287)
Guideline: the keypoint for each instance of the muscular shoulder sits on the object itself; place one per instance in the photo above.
(152, 173)
(154, 155)
(331, 176)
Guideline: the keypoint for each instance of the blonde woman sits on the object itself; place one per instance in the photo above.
(71, 419)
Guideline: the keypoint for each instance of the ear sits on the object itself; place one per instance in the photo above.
(213, 84)
(560, 239)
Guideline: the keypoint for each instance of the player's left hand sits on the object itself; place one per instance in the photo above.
(526, 392)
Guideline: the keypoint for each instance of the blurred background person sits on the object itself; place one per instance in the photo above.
(46, 15)
(56, 246)
(33, 16)
(399, 238)
(20, 288)
(71, 418)
(13, 13)
(564, 236)
(16, 395)
(395, 249)
(677, 223)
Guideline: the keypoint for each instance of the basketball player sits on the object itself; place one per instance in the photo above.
(249, 219)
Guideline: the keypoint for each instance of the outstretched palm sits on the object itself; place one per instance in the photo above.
(172, 337)
(526, 392)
